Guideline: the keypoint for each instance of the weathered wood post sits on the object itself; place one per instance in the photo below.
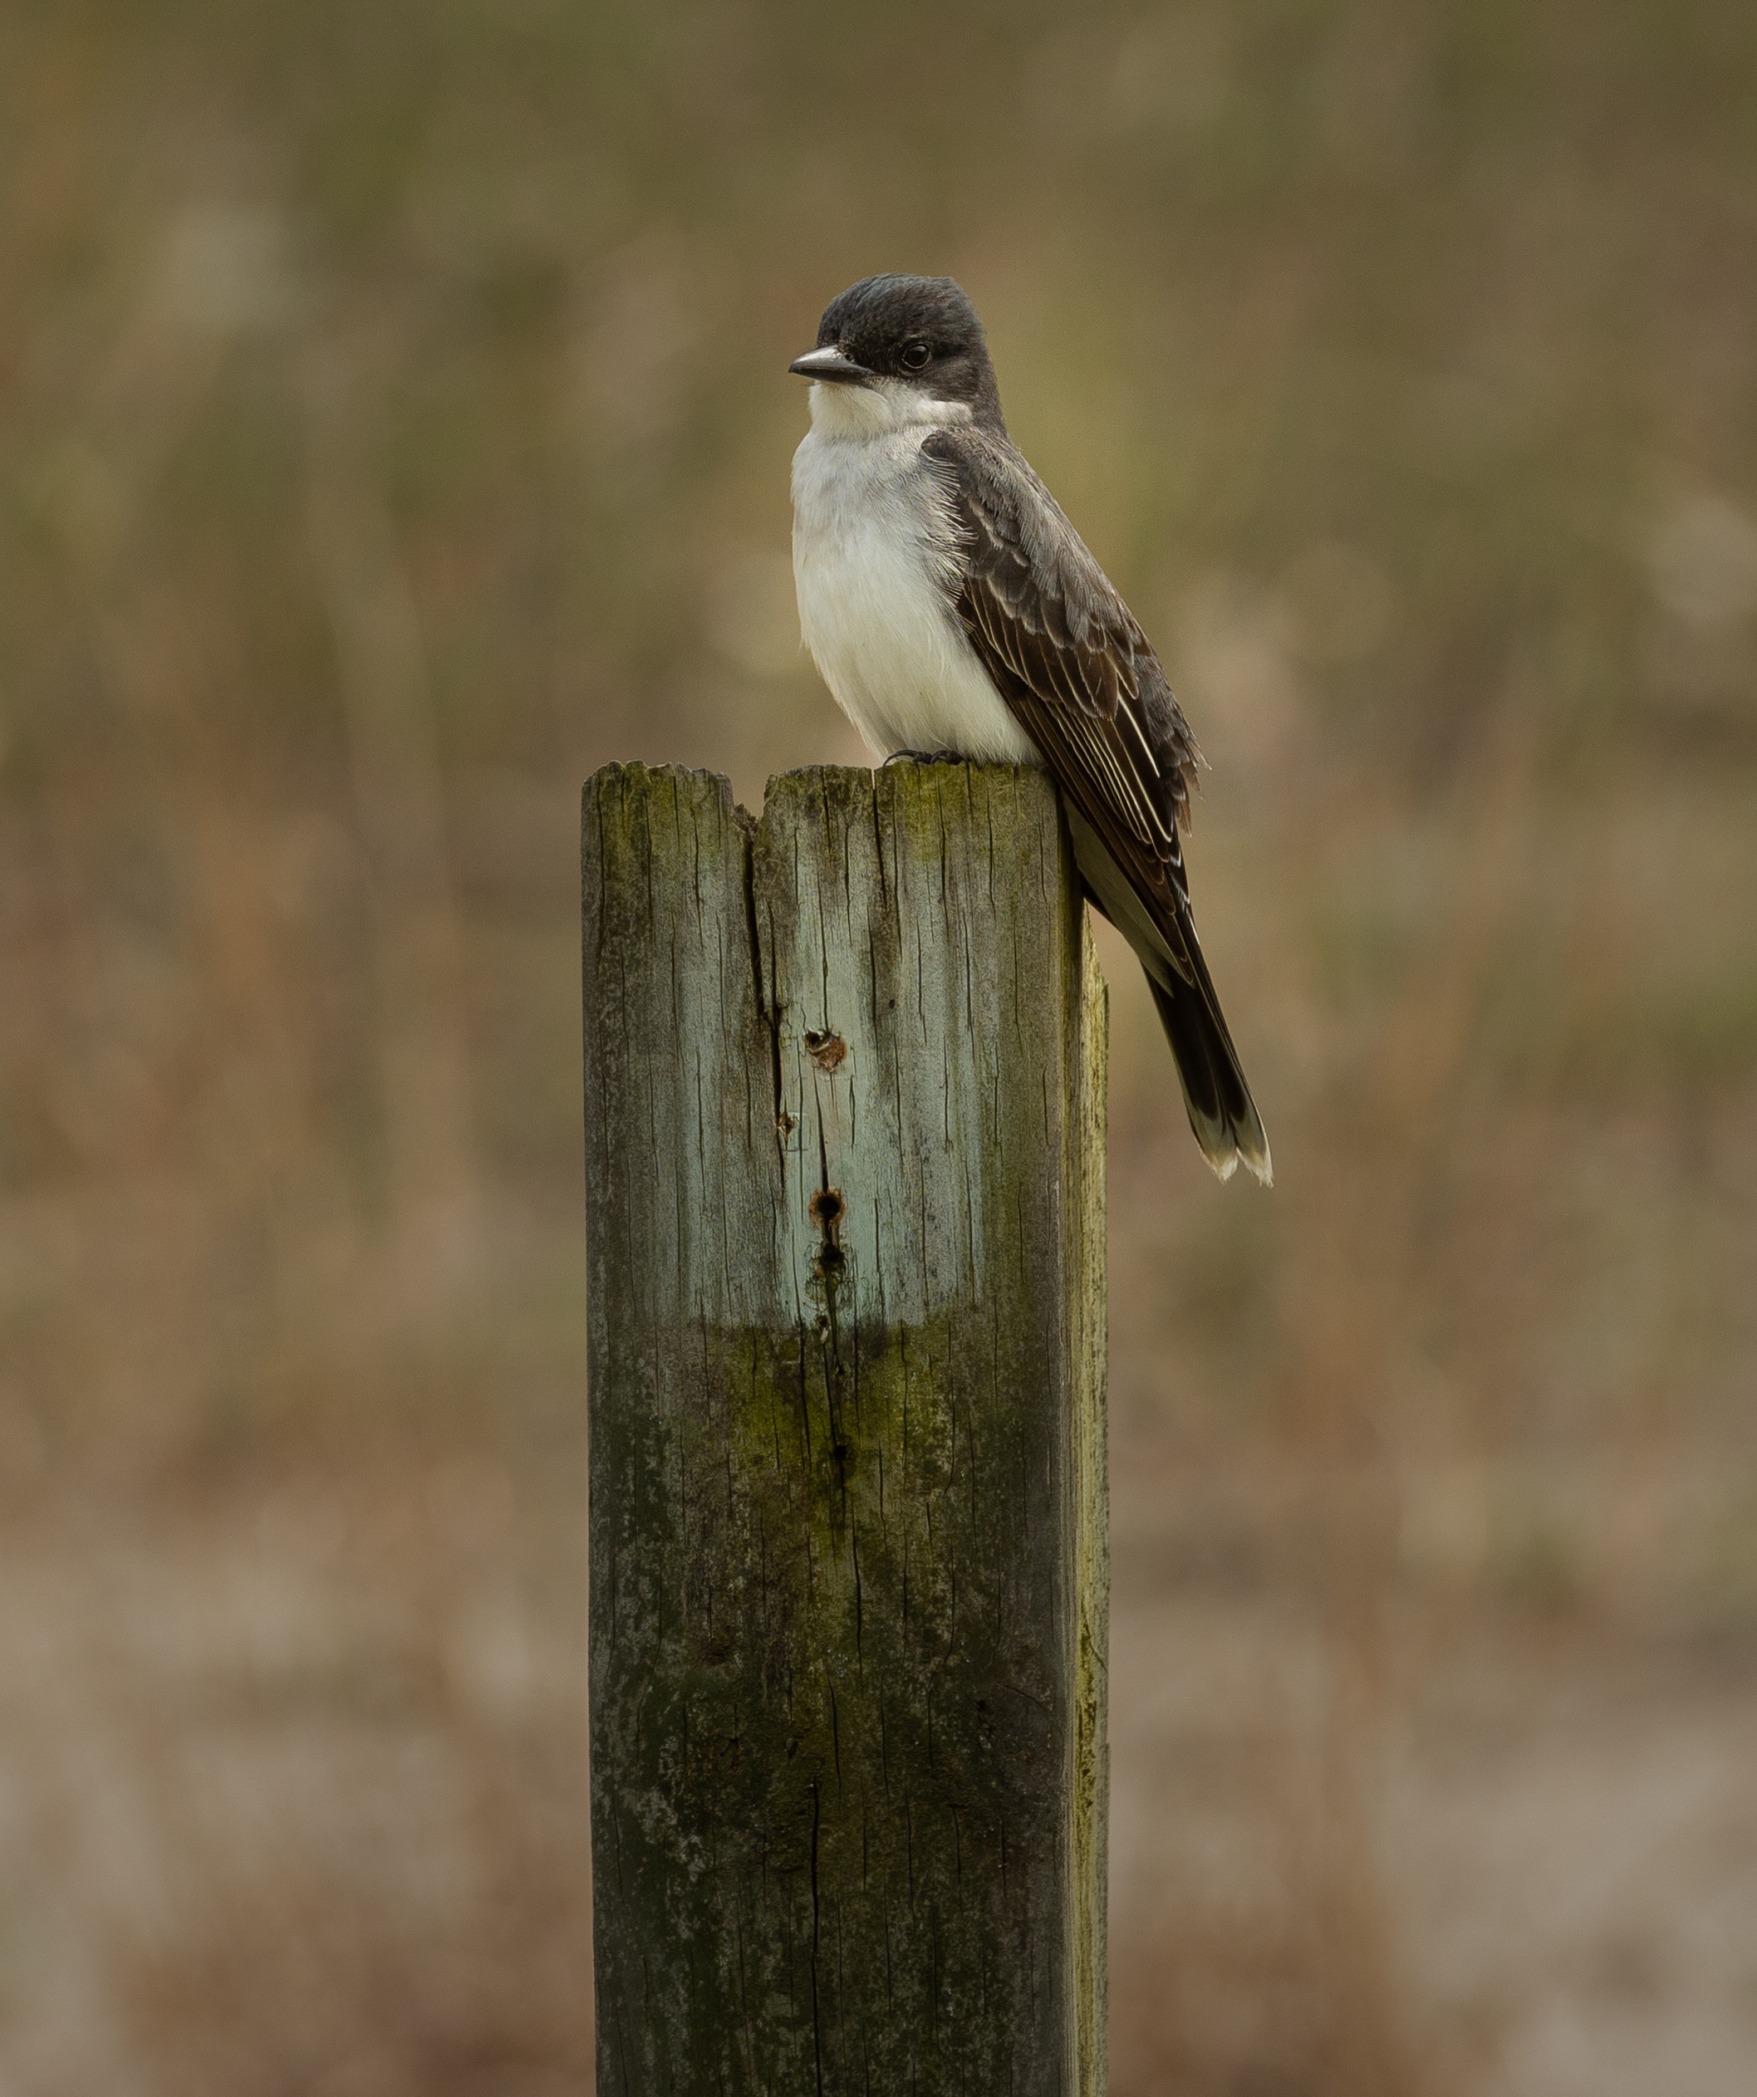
(844, 1114)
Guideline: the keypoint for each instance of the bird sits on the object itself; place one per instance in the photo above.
(954, 612)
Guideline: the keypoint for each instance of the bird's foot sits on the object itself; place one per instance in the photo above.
(925, 757)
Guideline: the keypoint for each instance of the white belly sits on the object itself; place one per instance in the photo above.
(871, 542)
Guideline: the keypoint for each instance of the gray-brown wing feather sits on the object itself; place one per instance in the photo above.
(1070, 659)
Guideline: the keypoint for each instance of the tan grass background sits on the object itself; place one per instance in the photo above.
(394, 426)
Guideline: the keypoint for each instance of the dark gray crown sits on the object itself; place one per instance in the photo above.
(885, 322)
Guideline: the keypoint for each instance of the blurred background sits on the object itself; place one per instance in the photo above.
(394, 425)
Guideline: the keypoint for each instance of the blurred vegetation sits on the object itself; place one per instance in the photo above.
(393, 426)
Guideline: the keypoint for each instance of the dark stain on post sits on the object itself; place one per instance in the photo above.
(826, 1210)
(826, 1050)
(826, 1213)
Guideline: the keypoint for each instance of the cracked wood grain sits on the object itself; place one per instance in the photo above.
(844, 1096)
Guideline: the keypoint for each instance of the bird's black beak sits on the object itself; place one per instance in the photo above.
(830, 365)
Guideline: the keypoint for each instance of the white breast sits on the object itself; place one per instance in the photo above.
(873, 547)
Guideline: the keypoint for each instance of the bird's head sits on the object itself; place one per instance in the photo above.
(914, 339)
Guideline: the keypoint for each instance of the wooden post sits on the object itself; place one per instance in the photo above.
(844, 1122)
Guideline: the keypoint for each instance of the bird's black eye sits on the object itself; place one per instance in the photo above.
(916, 356)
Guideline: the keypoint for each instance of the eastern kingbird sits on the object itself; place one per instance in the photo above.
(955, 612)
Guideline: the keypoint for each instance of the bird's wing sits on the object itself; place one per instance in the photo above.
(1069, 658)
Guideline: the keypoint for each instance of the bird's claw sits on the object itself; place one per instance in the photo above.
(924, 757)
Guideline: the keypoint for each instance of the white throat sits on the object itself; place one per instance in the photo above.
(883, 408)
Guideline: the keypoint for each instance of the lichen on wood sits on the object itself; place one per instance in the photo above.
(844, 1085)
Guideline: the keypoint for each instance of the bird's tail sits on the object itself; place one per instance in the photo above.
(1163, 934)
(1222, 1112)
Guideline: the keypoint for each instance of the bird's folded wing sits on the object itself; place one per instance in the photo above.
(1068, 657)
